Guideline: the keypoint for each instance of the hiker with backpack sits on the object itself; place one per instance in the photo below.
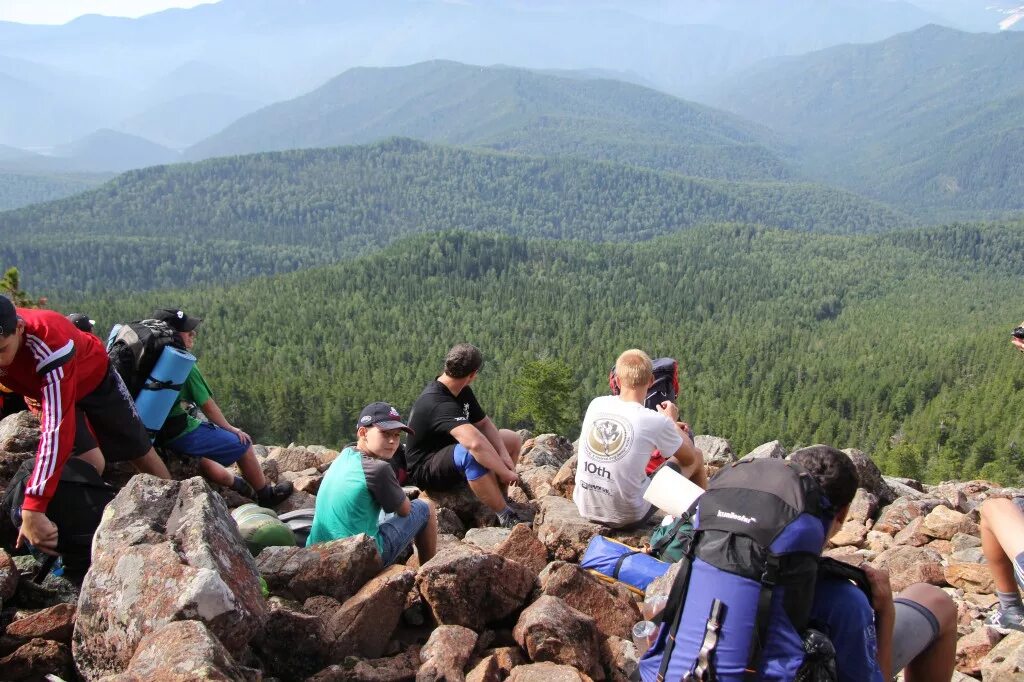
(755, 600)
(361, 483)
(454, 440)
(216, 442)
(619, 435)
(44, 357)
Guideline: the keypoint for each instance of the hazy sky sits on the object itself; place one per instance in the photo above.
(63, 11)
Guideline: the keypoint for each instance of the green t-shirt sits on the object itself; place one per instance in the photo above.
(351, 496)
(194, 390)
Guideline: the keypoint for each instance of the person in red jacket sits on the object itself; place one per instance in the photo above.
(44, 357)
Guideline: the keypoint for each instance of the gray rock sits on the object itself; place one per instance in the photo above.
(772, 450)
(548, 449)
(563, 531)
(182, 651)
(487, 538)
(717, 451)
(19, 432)
(446, 653)
(164, 551)
(551, 630)
(336, 569)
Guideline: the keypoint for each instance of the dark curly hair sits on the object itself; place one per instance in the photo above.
(832, 469)
(462, 360)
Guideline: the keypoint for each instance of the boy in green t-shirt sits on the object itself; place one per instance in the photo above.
(361, 483)
(217, 443)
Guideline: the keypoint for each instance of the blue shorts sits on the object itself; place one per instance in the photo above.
(465, 463)
(210, 441)
(398, 532)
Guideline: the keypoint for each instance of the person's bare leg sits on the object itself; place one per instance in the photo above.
(514, 444)
(251, 470)
(695, 471)
(487, 491)
(150, 463)
(95, 458)
(934, 664)
(426, 539)
(1002, 539)
(214, 472)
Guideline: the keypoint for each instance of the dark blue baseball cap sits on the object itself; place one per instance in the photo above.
(383, 416)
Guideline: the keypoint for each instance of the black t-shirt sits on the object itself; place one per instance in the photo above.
(435, 413)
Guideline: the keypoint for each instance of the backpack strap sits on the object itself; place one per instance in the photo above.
(666, 539)
(673, 613)
(830, 567)
(764, 606)
(703, 670)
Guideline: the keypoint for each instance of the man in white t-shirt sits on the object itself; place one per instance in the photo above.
(619, 434)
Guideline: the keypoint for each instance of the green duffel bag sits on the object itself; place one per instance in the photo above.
(670, 542)
(261, 528)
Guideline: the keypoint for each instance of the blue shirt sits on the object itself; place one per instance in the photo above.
(846, 616)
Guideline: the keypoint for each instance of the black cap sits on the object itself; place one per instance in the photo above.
(82, 321)
(8, 317)
(177, 319)
(383, 416)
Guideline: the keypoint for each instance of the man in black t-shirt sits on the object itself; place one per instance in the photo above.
(455, 441)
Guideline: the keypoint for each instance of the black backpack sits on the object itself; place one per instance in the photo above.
(76, 509)
(136, 346)
(666, 383)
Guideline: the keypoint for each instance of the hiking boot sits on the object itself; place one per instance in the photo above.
(511, 519)
(242, 487)
(1004, 620)
(273, 495)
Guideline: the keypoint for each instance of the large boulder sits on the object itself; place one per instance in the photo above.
(364, 624)
(293, 644)
(909, 565)
(565, 480)
(1005, 662)
(547, 449)
(870, 476)
(471, 511)
(547, 672)
(551, 630)
(466, 586)
(335, 569)
(536, 482)
(772, 450)
(446, 653)
(612, 607)
(182, 651)
(524, 547)
(717, 451)
(294, 458)
(19, 432)
(165, 551)
(55, 623)
(35, 660)
(8, 577)
(400, 668)
(563, 531)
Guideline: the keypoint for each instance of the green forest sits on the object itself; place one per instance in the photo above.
(288, 210)
(897, 344)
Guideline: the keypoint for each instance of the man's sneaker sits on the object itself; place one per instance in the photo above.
(1004, 620)
(511, 519)
(273, 495)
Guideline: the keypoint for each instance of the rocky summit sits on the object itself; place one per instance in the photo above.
(173, 593)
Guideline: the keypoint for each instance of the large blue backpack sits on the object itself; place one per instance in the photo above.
(740, 606)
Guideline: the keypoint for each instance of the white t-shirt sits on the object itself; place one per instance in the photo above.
(616, 443)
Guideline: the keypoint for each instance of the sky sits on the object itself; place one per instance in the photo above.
(63, 11)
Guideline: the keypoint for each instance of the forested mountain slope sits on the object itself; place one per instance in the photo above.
(932, 119)
(22, 189)
(896, 344)
(514, 110)
(306, 207)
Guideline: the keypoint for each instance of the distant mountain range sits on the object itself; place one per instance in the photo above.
(511, 110)
(933, 118)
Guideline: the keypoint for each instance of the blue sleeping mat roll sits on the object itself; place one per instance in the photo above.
(163, 386)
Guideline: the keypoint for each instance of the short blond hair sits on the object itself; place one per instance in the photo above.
(634, 369)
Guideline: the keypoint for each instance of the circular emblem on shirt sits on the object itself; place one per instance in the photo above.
(609, 438)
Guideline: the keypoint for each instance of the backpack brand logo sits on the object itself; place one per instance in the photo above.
(736, 517)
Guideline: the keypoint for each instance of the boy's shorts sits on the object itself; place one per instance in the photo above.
(114, 420)
(398, 532)
(447, 468)
(210, 441)
(914, 630)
